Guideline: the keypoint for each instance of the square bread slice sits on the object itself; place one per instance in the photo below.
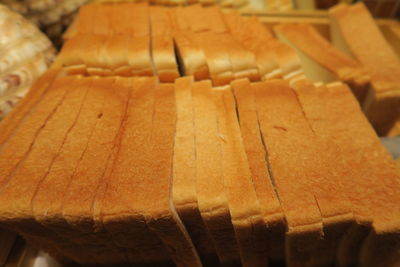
(354, 31)
(284, 131)
(184, 189)
(153, 222)
(212, 200)
(272, 212)
(245, 210)
(66, 172)
(21, 184)
(323, 62)
(139, 58)
(370, 172)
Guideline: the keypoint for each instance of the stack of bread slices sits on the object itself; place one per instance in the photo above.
(137, 40)
(105, 163)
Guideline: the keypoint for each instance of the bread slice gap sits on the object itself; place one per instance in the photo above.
(16, 204)
(272, 212)
(243, 203)
(218, 59)
(184, 190)
(284, 131)
(191, 58)
(355, 31)
(323, 62)
(212, 200)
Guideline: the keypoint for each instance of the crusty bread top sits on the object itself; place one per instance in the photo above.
(285, 133)
(362, 36)
(307, 39)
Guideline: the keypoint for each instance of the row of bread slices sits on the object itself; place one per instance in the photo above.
(356, 39)
(134, 40)
(25, 54)
(111, 170)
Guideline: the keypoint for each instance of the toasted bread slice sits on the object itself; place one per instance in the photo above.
(212, 200)
(284, 130)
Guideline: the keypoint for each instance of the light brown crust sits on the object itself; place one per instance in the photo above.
(212, 200)
(362, 36)
(163, 56)
(284, 130)
(243, 203)
(274, 217)
(184, 174)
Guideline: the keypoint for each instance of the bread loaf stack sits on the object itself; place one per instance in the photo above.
(112, 170)
(206, 43)
(112, 158)
(25, 54)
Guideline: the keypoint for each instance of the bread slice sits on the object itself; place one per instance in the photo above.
(72, 57)
(355, 32)
(124, 203)
(139, 58)
(215, 19)
(376, 172)
(242, 29)
(160, 213)
(191, 58)
(184, 190)
(140, 21)
(243, 203)
(28, 173)
(163, 56)
(60, 180)
(336, 208)
(217, 56)
(272, 212)
(33, 97)
(102, 17)
(160, 21)
(84, 21)
(212, 200)
(323, 62)
(284, 131)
